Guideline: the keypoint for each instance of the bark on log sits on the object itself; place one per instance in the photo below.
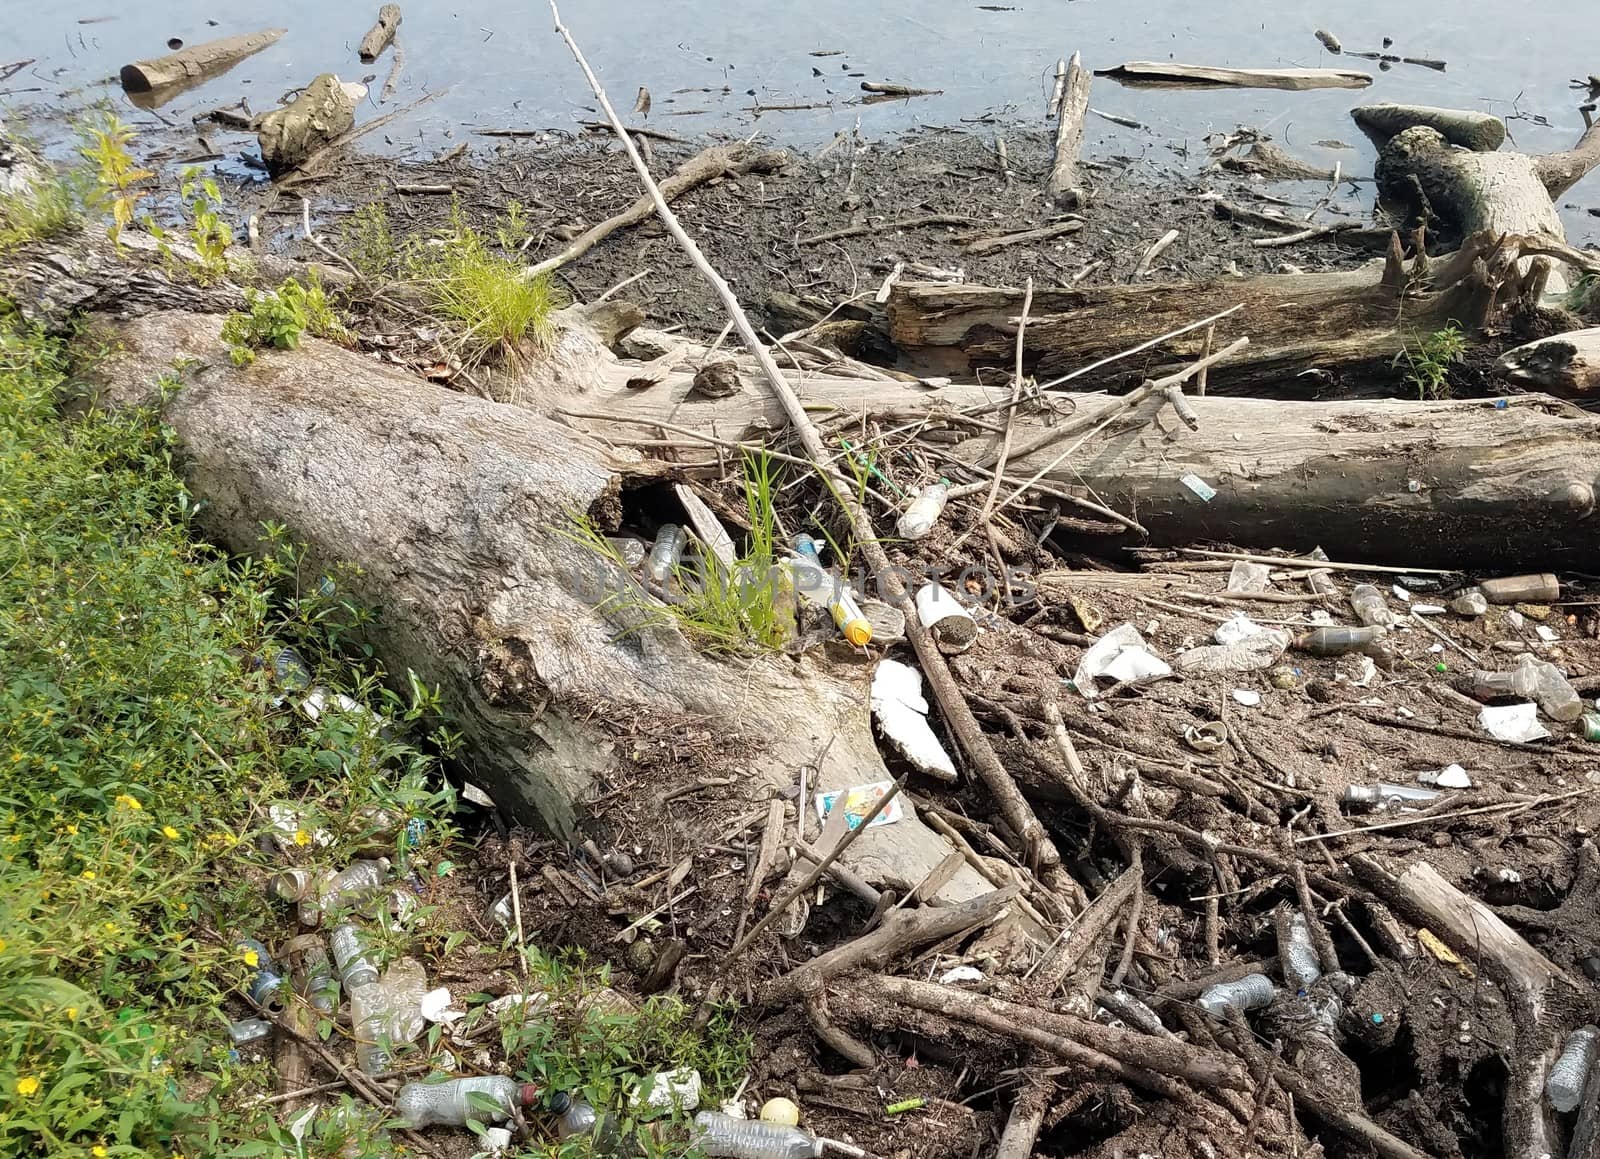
(196, 62)
(1480, 132)
(1564, 364)
(1352, 323)
(1464, 191)
(1269, 161)
(1064, 183)
(380, 34)
(324, 111)
(453, 508)
(1491, 486)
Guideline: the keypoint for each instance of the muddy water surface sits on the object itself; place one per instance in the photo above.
(720, 66)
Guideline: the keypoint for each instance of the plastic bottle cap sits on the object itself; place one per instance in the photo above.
(780, 1110)
(858, 632)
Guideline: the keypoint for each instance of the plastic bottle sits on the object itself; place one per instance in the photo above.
(290, 671)
(1368, 604)
(1532, 679)
(265, 981)
(1252, 992)
(664, 554)
(722, 1135)
(1570, 1072)
(356, 967)
(1301, 964)
(847, 616)
(356, 883)
(248, 1030)
(631, 550)
(1386, 795)
(322, 988)
(924, 511)
(1321, 585)
(1522, 589)
(387, 1013)
(1340, 641)
(426, 1104)
(576, 1117)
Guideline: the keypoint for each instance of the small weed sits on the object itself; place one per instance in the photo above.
(369, 243)
(106, 145)
(46, 208)
(208, 233)
(278, 318)
(498, 311)
(1428, 366)
(514, 231)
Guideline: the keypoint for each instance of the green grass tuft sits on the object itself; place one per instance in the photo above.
(50, 206)
(1428, 366)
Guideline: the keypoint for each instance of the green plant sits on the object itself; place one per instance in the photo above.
(208, 232)
(106, 145)
(48, 206)
(369, 243)
(514, 231)
(1428, 366)
(277, 318)
(496, 309)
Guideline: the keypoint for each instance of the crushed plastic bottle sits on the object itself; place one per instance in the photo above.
(350, 955)
(387, 1013)
(1368, 604)
(322, 988)
(1251, 654)
(924, 511)
(248, 1030)
(266, 980)
(1387, 796)
(1340, 641)
(1321, 584)
(427, 1104)
(317, 893)
(1532, 679)
(1252, 992)
(720, 1135)
(1570, 1072)
(630, 549)
(1301, 964)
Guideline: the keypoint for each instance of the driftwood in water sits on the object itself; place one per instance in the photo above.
(1071, 103)
(1564, 364)
(324, 111)
(1267, 160)
(196, 62)
(1456, 482)
(1350, 323)
(1480, 132)
(1151, 72)
(380, 34)
(706, 165)
(454, 508)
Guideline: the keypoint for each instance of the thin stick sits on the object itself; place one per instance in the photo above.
(1205, 352)
(621, 284)
(516, 913)
(1011, 411)
(957, 713)
(1141, 348)
(1155, 251)
(817, 870)
(1300, 561)
(1407, 822)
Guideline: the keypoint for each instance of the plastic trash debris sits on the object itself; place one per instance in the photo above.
(447, 1103)
(285, 828)
(1590, 725)
(1321, 584)
(1206, 738)
(1400, 593)
(666, 1090)
(1252, 992)
(320, 699)
(1387, 796)
(664, 555)
(1517, 723)
(496, 1142)
(951, 625)
(1522, 589)
(888, 623)
(532, 1005)
(316, 893)
(1248, 697)
(1254, 652)
(322, 988)
(290, 671)
(1449, 777)
(719, 1135)
(1532, 679)
(266, 980)
(1119, 656)
(1200, 488)
(1568, 1074)
(1236, 629)
(630, 549)
(1469, 603)
(1340, 641)
(471, 792)
(924, 511)
(350, 955)
(1368, 604)
(847, 616)
(1249, 577)
(858, 801)
(960, 974)
(1548, 634)
(387, 1013)
(902, 714)
(1301, 965)
(435, 1006)
(248, 1030)
(784, 1112)
(576, 1117)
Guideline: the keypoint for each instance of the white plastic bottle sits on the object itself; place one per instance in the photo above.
(924, 511)
(723, 1136)
(1569, 1073)
(1252, 992)
(426, 1104)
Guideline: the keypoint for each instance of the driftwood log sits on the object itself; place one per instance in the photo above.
(1564, 364)
(323, 111)
(1457, 482)
(1071, 102)
(1351, 324)
(196, 62)
(380, 35)
(1480, 132)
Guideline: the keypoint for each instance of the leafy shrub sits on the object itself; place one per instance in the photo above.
(277, 318)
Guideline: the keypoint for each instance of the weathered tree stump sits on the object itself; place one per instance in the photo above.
(325, 109)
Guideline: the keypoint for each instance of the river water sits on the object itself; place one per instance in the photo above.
(711, 64)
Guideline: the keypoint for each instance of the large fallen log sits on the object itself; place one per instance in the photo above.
(195, 63)
(322, 111)
(1456, 483)
(1481, 132)
(458, 511)
(1564, 364)
(1351, 324)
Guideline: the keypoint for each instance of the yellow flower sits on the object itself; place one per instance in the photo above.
(87, 875)
(71, 1013)
(251, 958)
(129, 802)
(98, 1151)
(301, 837)
(169, 832)
(27, 1086)
(2, 945)
(72, 830)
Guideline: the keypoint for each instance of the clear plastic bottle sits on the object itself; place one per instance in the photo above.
(266, 980)
(1387, 796)
(664, 554)
(358, 882)
(1569, 1073)
(1301, 964)
(322, 988)
(356, 967)
(1340, 641)
(1252, 992)
(720, 1135)
(426, 1104)
(1321, 585)
(847, 615)
(924, 511)
(576, 1117)
(387, 1013)
(1532, 679)
(1368, 604)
